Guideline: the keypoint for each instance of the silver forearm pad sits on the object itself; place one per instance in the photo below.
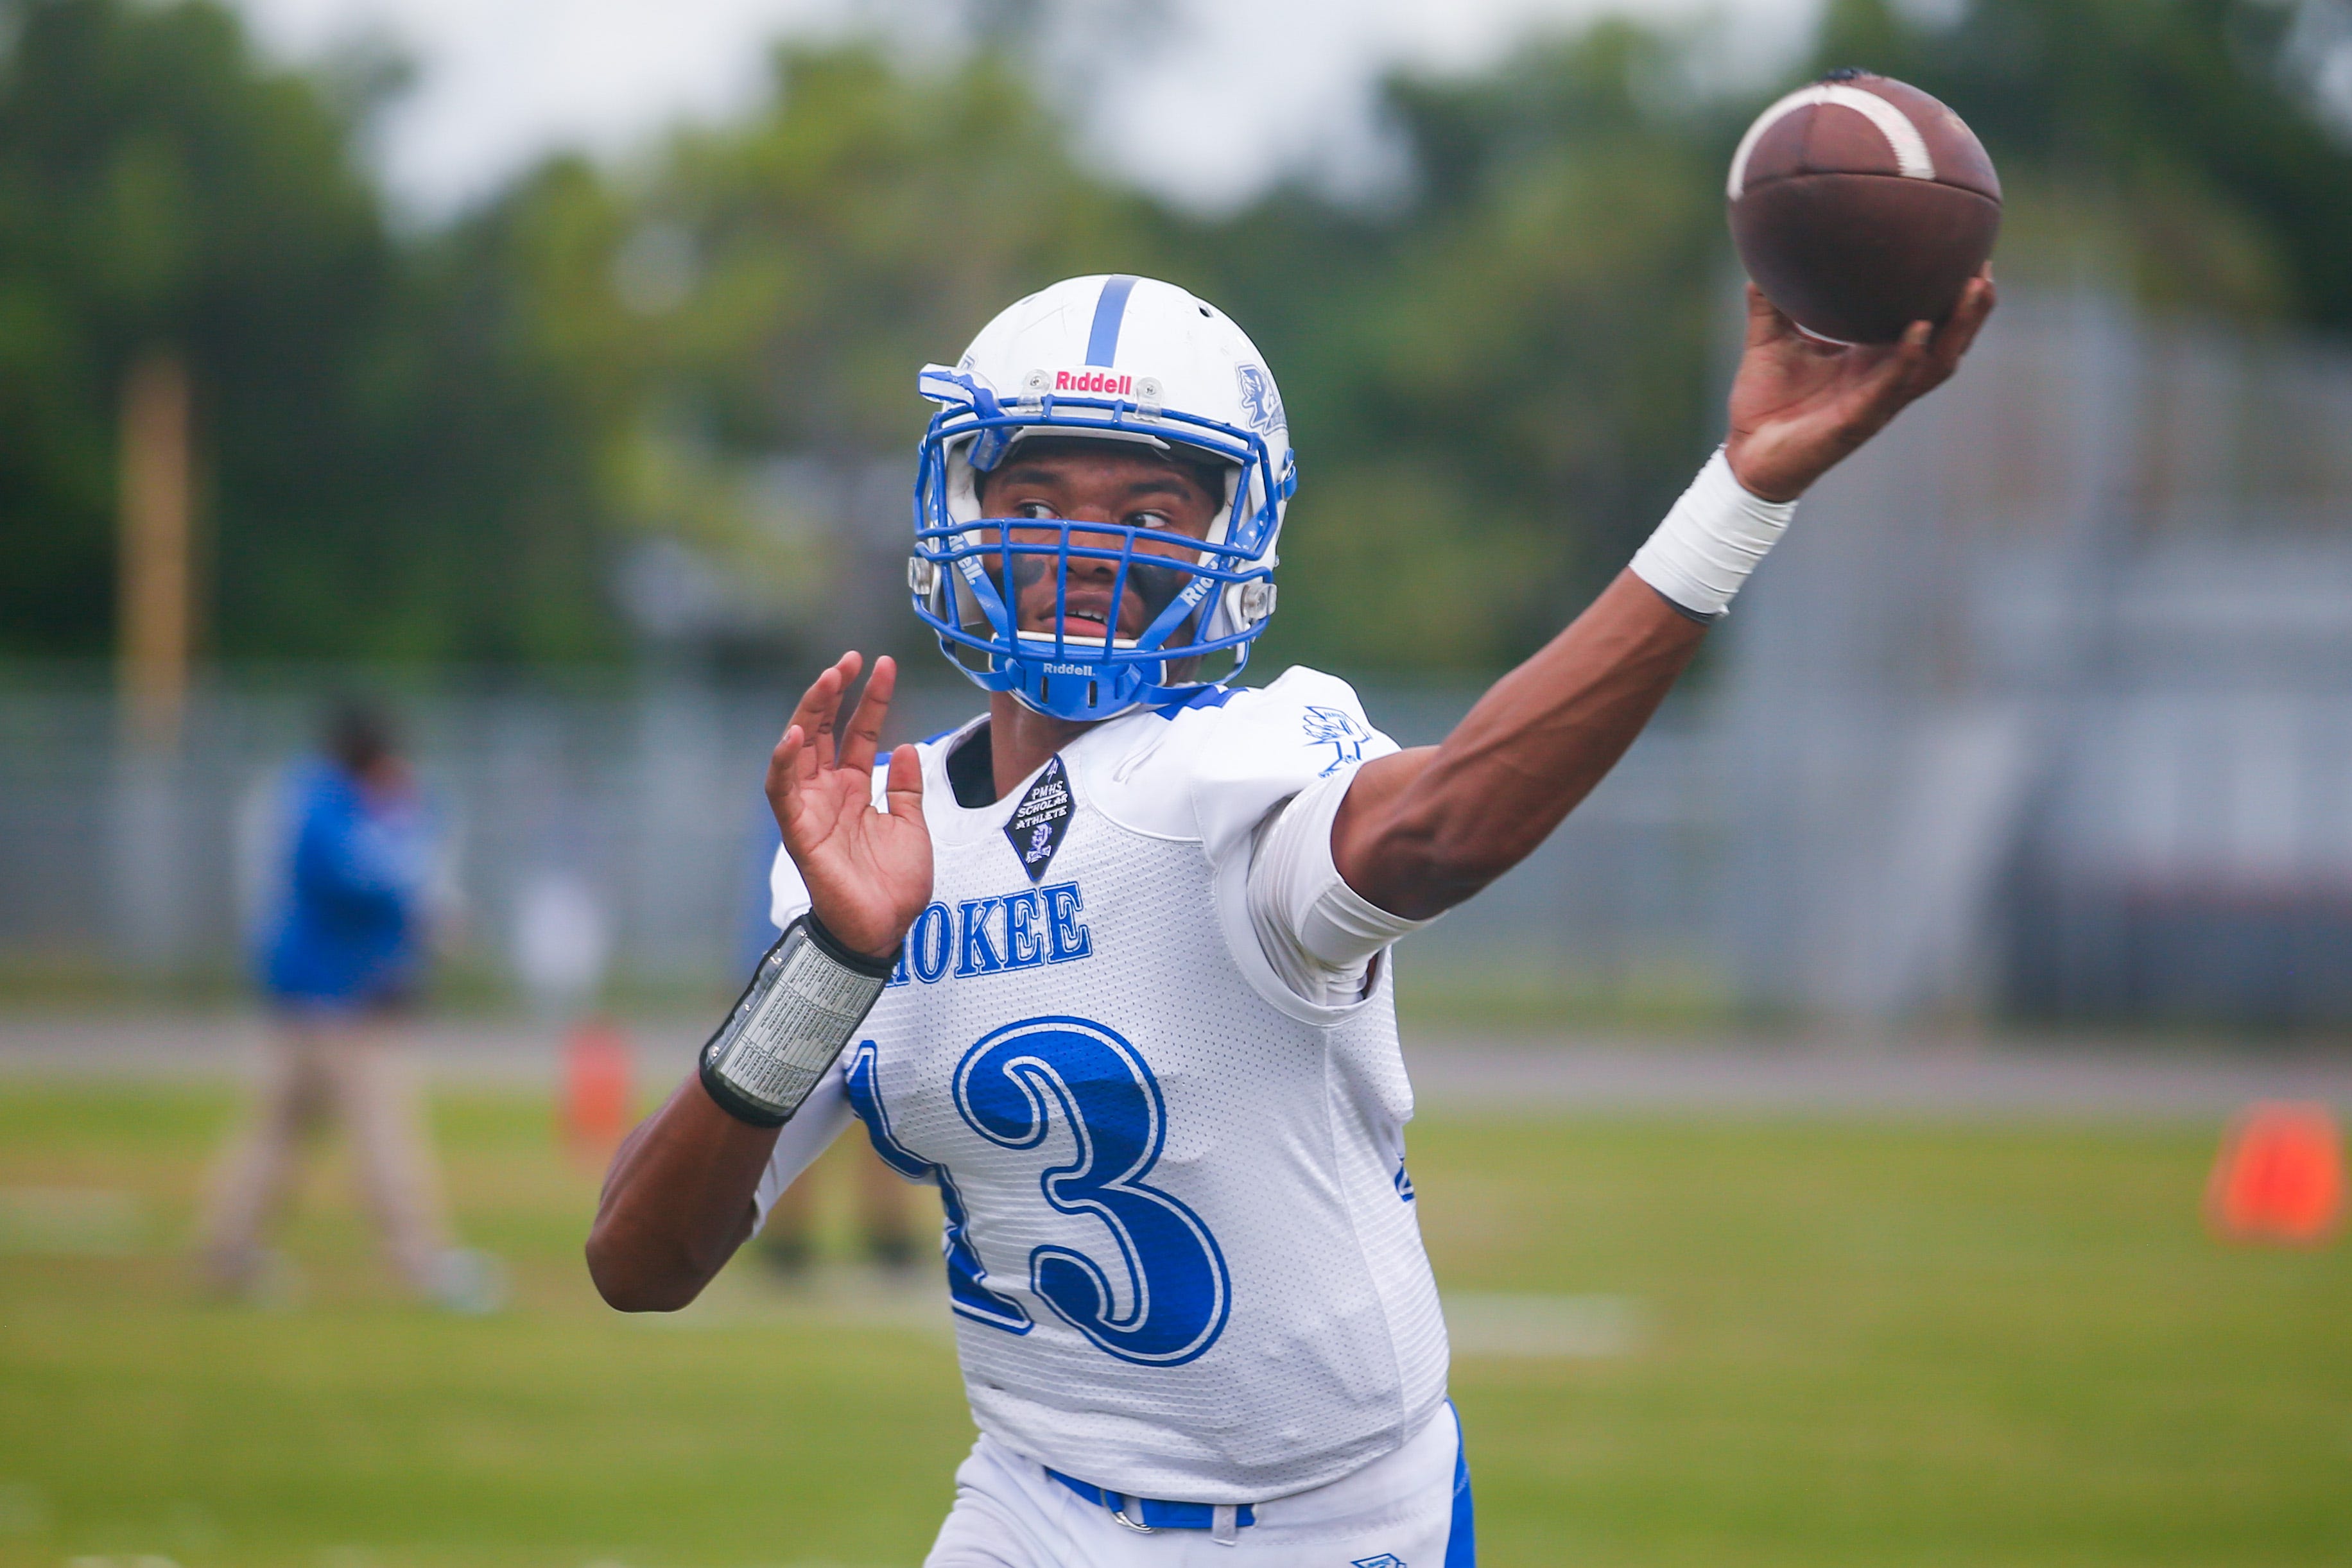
(807, 998)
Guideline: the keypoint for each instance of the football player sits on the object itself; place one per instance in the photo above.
(1106, 964)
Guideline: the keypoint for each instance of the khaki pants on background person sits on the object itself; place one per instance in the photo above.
(349, 1071)
(883, 1199)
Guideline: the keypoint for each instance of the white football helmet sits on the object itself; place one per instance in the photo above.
(1111, 359)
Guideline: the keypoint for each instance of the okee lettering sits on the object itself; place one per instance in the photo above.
(1023, 930)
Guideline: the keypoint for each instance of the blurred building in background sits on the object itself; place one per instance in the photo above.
(2044, 708)
(2041, 712)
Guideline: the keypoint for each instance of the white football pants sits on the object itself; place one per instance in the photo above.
(1410, 1509)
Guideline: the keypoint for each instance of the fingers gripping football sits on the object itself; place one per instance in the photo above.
(1800, 404)
(1923, 359)
(868, 872)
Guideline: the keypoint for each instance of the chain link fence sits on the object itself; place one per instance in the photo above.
(2044, 709)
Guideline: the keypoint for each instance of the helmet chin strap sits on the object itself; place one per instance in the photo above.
(1093, 711)
(1030, 703)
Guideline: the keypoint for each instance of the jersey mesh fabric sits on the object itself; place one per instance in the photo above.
(1280, 1128)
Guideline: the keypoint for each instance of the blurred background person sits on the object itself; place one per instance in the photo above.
(341, 956)
(883, 1233)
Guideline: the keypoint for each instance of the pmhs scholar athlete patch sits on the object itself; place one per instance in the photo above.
(1040, 820)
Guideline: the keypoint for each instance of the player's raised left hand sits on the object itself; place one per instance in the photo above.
(868, 873)
(1799, 406)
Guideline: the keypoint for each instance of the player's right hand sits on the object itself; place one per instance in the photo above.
(1800, 404)
(868, 873)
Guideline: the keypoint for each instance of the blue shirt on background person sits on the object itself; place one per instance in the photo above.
(353, 890)
(347, 888)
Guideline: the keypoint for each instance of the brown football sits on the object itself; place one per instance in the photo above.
(1860, 204)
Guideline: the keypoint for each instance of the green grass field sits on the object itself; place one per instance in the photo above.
(1880, 1343)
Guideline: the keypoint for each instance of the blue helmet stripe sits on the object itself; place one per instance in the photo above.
(1102, 341)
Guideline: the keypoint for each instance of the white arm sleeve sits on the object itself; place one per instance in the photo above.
(809, 1133)
(1319, 933)
(825, 1111)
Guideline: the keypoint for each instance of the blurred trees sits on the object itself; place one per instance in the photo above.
(676, 399)
(747, 313)
(2184, 142)
(1499, 383)
(158, 192)
(369, 492)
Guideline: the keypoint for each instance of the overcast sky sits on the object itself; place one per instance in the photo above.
(1235, 89)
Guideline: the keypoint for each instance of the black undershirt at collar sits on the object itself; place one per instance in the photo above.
(972, 770)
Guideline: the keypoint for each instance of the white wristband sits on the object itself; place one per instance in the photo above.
(1711, 541)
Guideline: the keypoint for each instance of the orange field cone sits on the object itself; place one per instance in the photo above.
(596, 1087)
(2280, 1177)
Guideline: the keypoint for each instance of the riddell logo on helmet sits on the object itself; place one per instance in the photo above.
(1106, 381)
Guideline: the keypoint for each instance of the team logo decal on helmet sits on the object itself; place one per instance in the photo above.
(1118, 359)
(1261, 404)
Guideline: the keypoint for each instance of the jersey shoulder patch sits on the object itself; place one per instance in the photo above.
(1320, 714)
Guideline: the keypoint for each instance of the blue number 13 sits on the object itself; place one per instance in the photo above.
(1177, 1293)
(1162, 1299)
(1010, 1088)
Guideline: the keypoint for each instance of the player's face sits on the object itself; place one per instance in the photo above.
(1099, 481)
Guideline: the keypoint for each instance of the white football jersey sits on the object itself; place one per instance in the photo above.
(1181, 1246)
